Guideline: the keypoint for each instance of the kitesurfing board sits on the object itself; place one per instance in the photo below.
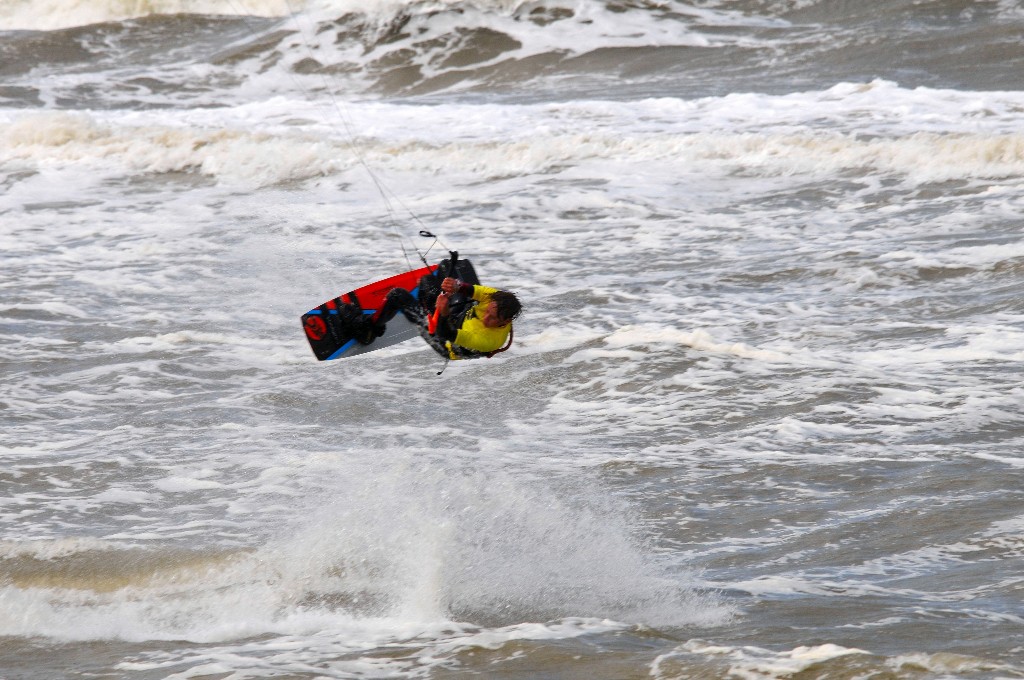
(329, 335)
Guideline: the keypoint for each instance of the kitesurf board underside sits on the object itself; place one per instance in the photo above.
(328, 333)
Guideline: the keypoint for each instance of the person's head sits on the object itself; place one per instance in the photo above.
(502, 310)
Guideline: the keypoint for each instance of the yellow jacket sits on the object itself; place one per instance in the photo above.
(473, 334)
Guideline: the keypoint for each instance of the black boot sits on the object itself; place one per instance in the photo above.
(358, 325)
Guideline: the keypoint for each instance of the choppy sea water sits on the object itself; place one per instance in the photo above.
(763, 417)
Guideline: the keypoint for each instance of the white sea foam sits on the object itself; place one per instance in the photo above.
(532, 140)
(47, 15)
(532, 28)
(750, 662)
(949, 663)
(54, 549)
(69, 140)
(184, 484)
(448, 545)
(699, 340)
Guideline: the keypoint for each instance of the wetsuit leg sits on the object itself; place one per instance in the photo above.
(399, 299)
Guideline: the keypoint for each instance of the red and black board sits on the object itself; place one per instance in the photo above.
(327, 327)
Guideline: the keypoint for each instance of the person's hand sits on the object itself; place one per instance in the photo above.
(442, 303)
(450, 285)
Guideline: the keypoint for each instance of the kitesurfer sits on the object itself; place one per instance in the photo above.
(468, 320)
